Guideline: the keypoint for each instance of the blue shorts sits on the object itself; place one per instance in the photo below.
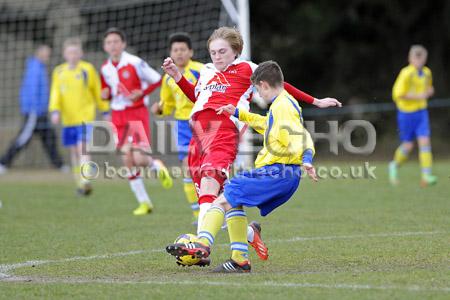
(184, 135)
(73, 135)
(266, 188)
(413, 125)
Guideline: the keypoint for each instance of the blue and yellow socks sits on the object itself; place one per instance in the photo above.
(210, 226)
(237, 230)
(426, 160)
(400, 155)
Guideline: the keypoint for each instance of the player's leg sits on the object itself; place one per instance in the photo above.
(80, 170)
(212, 221)
(211, 183)
(81, 159)
(163, 173)
(210, 226)
(70, 140)
(136, 182)
(211, 153)
(402, 153)
(85, 168)
(184, 136)
(194, 161)
(237, 230)
(190, 192)
(22, 139)
(139, 130)
(236, 220)
(267, 188)
(425, 156)
(75, 163)
(48, 137)
(426, 161)
(400, 156)
(406, 127)
(143, 159)
(216, 146)
(209, 189)
(124, 145)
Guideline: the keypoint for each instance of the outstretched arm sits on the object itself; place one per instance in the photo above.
(257, 122)
(171, 69)
(304, 97)
(151, 88)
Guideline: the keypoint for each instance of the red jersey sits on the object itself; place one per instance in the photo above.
(129, 74)
(231, 86)
(216, 88)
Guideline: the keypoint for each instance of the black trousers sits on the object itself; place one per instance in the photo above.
(33, 124)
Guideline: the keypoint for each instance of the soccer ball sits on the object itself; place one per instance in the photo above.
(186, 260)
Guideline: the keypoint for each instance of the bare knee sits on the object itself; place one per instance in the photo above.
(127, 157)
(423, 141)
(209, 186)
(408, 146)
(222, 202)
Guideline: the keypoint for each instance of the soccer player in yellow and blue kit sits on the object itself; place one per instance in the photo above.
(412, 88)
(287, 147)
(74, 96)
(174, 101)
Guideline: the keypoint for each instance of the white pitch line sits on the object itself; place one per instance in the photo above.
(358, 236)
(5, 269)
(271, 284)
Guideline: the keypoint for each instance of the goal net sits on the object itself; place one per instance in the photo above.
(26, 24)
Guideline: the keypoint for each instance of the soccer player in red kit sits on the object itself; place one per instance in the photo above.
(214, 145)
(126, 81)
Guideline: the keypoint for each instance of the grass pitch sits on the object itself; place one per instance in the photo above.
(338, 239)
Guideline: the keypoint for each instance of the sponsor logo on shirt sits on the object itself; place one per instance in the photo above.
(218, 83)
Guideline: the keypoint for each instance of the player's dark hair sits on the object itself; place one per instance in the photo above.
(115, 30)
(180, 37)
(270, 72)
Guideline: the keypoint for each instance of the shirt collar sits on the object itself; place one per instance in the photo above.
(188, 66)
(283, 93)
(234, 62)
(121, 61)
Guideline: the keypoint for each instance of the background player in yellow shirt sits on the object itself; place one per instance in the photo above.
(174, 101)
(287, 146)
(74, 96)
(412, 88)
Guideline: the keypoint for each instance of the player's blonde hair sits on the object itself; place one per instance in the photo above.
(73, 41)
(229, 34)
(417, 51)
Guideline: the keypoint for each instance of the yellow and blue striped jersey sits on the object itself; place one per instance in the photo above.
(411, 80)
(285, 137)
(75, 93)
(173, 98)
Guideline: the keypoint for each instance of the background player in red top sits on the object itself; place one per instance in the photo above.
(214, 145)
(126, 81)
